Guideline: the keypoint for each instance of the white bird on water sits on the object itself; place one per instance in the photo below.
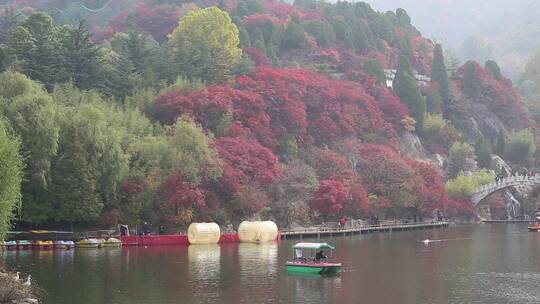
(28, 281)
(16, 276)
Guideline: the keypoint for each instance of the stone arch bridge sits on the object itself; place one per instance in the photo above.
(518, 181)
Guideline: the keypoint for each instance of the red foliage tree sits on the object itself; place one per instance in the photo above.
(459, 209)
(329, 198)
(155, 20)
(179, 193)
(358, 201)
(247, 161)
(432, 195)
(391, 107)
(331, 165)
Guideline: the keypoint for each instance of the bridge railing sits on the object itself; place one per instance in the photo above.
(508, 181)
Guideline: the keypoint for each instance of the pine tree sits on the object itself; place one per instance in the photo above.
(258, 40)
(242, 33)
(494, 69)
(483, 154)
(374, 68)
(471, 83)
(438, 72)
(83, 58)
(500, 145)
(406, 88)
(293, 37)
(349, 43)
(360, 39)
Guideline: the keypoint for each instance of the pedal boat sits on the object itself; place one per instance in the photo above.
(24, 245)
(64, 245)
(112, 243)
(306, 262)
(89, 243)
(535, 227)
(43, 245)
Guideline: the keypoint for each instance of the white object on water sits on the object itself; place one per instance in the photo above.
(426, 241)
(28, 281)
(16, 276)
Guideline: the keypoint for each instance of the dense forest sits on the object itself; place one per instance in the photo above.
(176, 111)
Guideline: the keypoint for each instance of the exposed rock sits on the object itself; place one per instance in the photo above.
(410, 144)
(438, 160)
(481, 123)
(500, 166)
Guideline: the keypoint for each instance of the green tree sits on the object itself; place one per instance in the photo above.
(136, 47)
(75, 195)
(360, 38)
(483, 154)
(520, 146)
(374, 68)
(321, 31)
(471, 83)
(37, 50)
(438, 72)
(463, 186)
(382, 28)
(11, 174)
(193, 155)
(205, 45)
(459, 158)
(82, 57)
(258, 40)
(494, 69)
(242, 33)
(406, 88)
(433, 101)
(293, 37)
(9, 20)
(500, 144)
(33, 116)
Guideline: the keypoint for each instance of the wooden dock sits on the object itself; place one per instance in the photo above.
(325, 232)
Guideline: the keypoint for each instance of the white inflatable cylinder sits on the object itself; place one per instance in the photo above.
(203, 233)
(257, 232)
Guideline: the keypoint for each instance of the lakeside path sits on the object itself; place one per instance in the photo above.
(390, 227)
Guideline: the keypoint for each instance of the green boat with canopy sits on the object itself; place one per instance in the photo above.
(310, 258)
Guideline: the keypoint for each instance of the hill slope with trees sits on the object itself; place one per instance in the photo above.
(174, 112)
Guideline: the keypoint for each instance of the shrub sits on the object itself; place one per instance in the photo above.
(463, 186)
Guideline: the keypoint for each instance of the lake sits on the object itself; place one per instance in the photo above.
(490, 263)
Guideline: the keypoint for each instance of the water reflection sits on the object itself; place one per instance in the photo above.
(204, 271)
(488, 264)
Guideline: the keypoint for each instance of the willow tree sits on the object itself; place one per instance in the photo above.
(205, 45)
(11, 176)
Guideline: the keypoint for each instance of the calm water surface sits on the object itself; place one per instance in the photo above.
(493, 263)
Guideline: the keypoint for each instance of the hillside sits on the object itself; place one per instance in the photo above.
(251, 109)
(478, 30)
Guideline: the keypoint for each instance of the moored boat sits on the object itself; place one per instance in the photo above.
(64, 244)
(112, 242)
(24, 245)
(89, 243)
(43, 245)
(309, 258)
(10, 245)
(534, 227)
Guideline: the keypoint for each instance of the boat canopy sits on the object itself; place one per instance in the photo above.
(313, 246)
